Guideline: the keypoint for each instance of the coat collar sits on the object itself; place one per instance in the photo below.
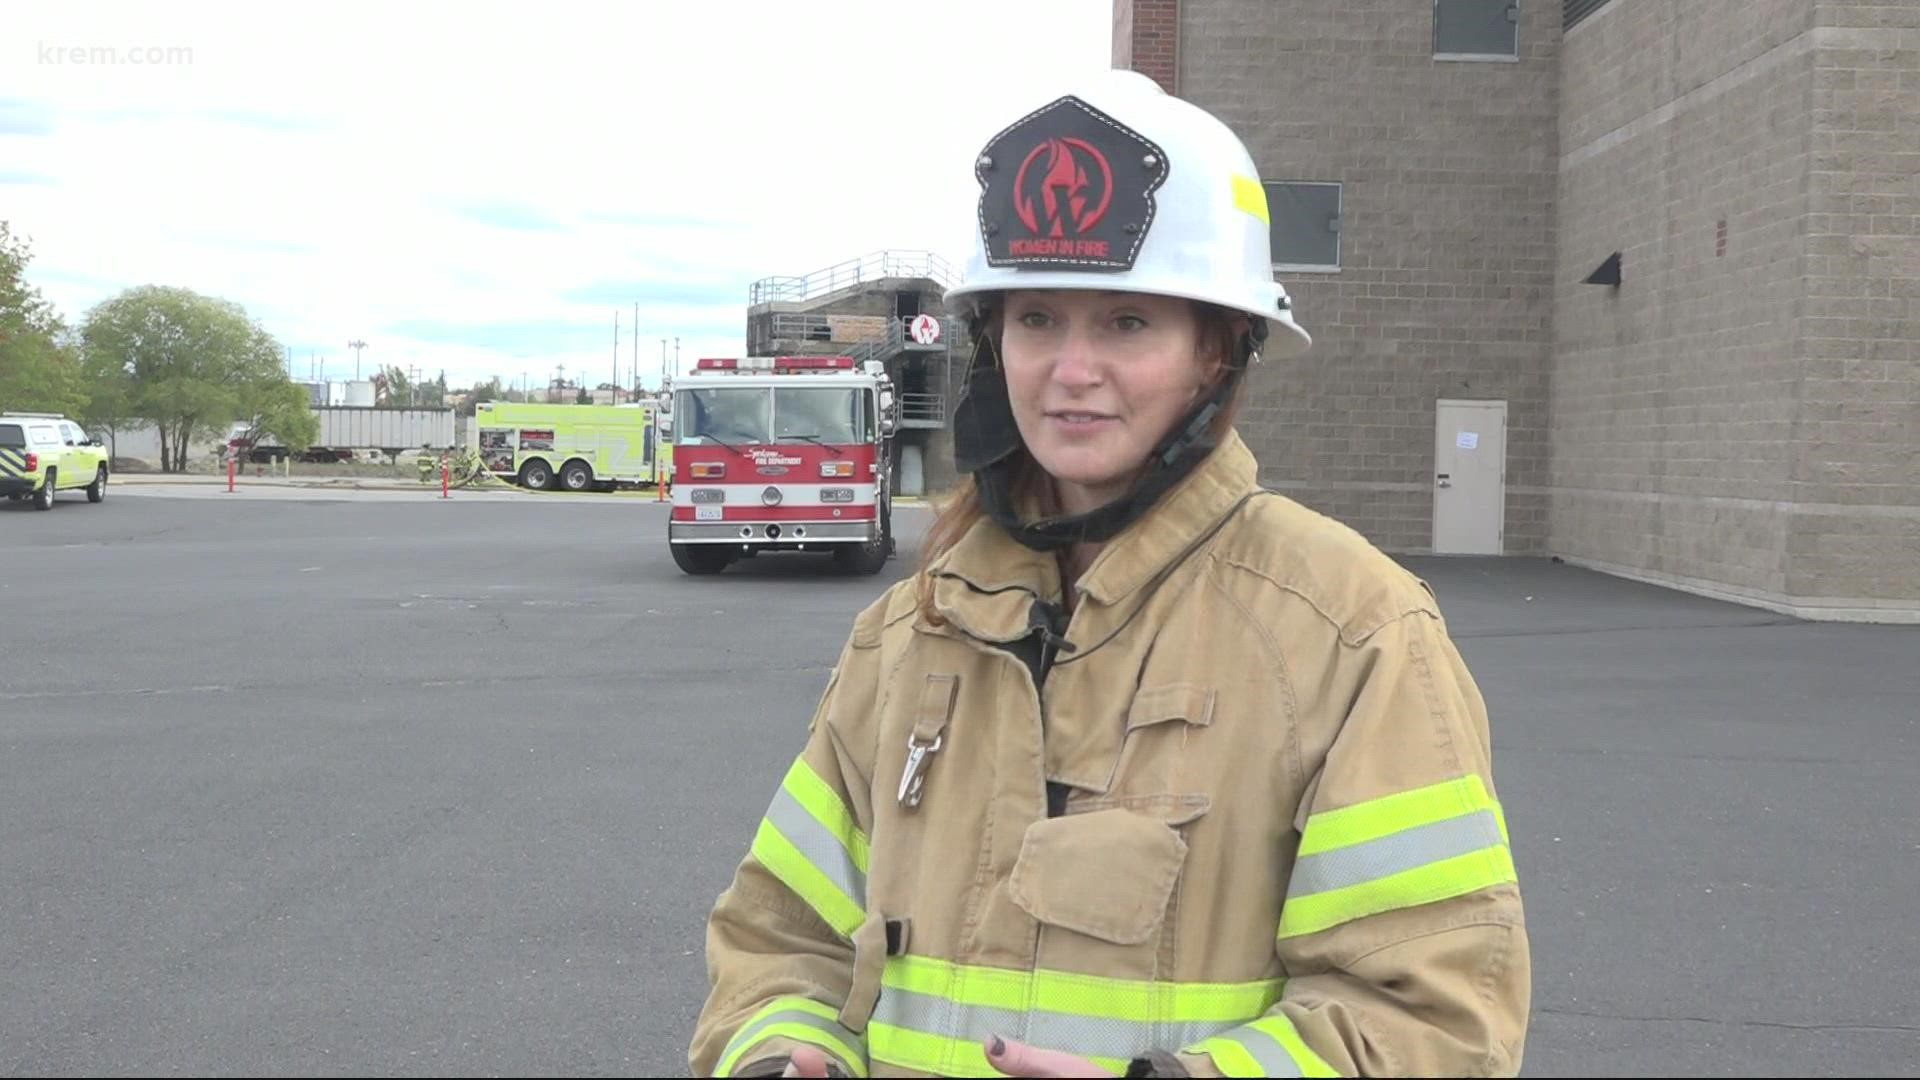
(988, 581)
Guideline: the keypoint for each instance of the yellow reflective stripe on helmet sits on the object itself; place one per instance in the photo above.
(1248, 195)
(801, 1019)
(1416, 847)
(1379, 817)
(1269, 1046)
(809, 841)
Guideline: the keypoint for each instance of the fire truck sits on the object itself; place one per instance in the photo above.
(786, 453)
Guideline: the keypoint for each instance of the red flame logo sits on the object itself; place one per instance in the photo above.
(1076, 175)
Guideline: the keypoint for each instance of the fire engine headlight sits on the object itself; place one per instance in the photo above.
(770, 497)
(709, 495)
(836, 495)
(836, 468)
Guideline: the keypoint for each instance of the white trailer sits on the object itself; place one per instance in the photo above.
(350, 430)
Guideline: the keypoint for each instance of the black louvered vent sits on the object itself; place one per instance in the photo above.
(1572, 11)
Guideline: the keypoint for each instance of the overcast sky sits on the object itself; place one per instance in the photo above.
(481, 192)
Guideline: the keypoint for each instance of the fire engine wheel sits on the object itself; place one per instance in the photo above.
(536, 476)
(576, 476)
(701, 558)
(868, 558)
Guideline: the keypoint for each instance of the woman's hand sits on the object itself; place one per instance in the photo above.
(806, 1061)
(1018, 1059)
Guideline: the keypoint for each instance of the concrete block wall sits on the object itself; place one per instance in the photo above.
(1685, 135)
(1445, 286)
(1853, 540)
(1741, 416)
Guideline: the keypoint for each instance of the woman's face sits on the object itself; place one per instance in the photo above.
(1096, 380)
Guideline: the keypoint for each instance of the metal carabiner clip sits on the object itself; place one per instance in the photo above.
(913, 778)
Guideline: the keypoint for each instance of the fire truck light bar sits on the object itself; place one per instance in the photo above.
(776, 363)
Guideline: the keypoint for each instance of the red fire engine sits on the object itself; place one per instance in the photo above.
(783, 453)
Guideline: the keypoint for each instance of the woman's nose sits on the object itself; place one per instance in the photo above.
(1077, 363)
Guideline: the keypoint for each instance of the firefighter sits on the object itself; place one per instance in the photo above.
(1147, 771)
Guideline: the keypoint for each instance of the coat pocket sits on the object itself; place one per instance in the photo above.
(1159, 722)
(1107, 874)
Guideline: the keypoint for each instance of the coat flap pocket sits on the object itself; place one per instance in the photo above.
(1174, 701)
(1174, 810)
(1107, 874)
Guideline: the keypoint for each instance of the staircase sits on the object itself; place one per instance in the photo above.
(852, 309)
(843, 278)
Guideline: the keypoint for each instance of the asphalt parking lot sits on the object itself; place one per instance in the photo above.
(375, 783)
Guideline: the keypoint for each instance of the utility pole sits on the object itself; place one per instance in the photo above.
(356, 345)
(636, 350)
(614, 386)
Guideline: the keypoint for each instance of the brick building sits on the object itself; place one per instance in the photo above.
(1631, 282)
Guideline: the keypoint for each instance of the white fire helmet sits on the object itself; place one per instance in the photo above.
(1123, 187)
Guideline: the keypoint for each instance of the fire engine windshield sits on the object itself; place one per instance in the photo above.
(730, 415)
(826, 414)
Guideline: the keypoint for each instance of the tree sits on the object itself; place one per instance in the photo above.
(109, 396)
(39, 365)
(193, 365)
(280, 409)
(490, 390)
(584, 397)
(392, 387)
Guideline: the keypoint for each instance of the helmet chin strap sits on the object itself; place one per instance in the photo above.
(985, 438)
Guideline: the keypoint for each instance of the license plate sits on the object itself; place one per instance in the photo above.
(707, 513)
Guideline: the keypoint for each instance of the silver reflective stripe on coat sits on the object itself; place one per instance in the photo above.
(1085, 1036)
(1408, 849)
(821, 848)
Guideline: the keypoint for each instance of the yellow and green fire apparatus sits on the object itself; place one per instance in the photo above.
(573, 447)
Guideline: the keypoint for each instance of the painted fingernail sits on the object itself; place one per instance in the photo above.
(999, 1047)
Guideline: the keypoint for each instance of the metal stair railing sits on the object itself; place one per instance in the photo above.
(923, 407)
(875, 266)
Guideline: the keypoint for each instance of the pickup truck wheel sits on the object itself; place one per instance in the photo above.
(97, 491)
(43, 499)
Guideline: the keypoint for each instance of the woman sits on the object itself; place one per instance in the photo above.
(1146, 770)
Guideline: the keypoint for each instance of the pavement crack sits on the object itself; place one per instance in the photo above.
(1727, 1023)
(1572, 631)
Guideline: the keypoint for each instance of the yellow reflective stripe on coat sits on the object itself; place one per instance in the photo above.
(802, 1019)
(1416, 847)
(934, 1015)
(809, 841)
(1267, 1047)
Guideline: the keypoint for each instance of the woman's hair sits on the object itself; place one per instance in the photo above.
(1219, 336)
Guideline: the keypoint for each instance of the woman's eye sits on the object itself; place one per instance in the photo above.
(1130, 323)
(1034, 320)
